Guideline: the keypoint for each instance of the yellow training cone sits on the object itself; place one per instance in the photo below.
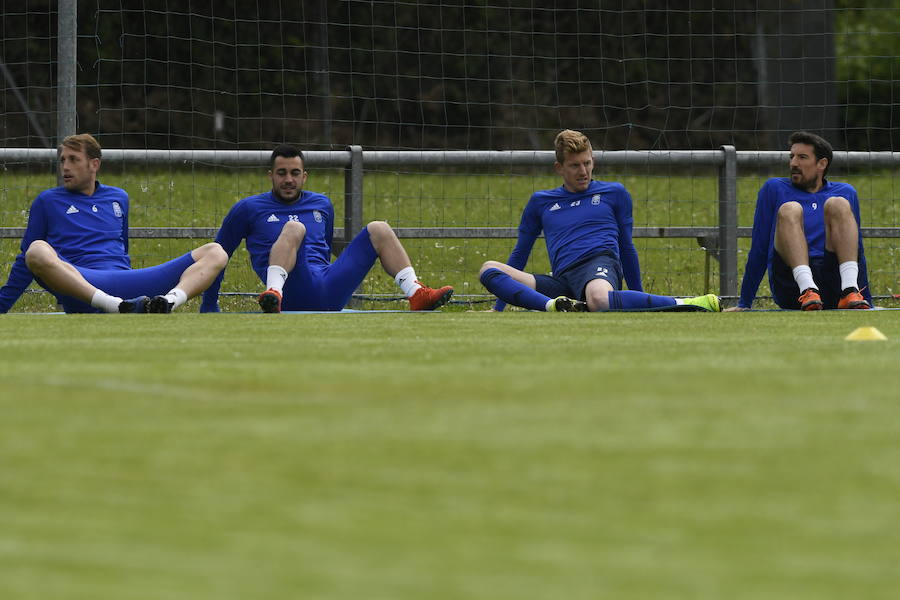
(865, 334)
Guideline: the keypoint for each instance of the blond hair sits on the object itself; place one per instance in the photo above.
(571, 142)
(83, 142)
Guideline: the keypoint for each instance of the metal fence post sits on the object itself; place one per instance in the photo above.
(66, 46)
(66, 49)
(728, 229)
(353, 207)
(353, 194)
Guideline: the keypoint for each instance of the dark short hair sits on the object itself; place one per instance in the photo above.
(285, 151)
(821, 147)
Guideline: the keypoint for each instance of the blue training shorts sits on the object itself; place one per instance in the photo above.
(572, 281)
(328, 287)
(129, 283)
(825, 272)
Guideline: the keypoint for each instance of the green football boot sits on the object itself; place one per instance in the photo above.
(709, 303)
(564, 304)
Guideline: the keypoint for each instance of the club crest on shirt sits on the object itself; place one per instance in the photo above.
(595, 200)
(117, 209)
(317, 216)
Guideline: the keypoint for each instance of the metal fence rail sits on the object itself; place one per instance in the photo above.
(720, 241)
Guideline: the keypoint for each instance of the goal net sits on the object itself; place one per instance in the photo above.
(454, 75)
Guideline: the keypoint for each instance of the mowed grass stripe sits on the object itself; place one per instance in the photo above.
(515, 455)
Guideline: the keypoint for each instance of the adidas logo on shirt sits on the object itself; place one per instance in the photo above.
(273, 219)
(555, 206)
(72, 210)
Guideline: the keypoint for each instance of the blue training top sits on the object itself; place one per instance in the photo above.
(577, 225)
(86, 231)
(772, 195)
(259, 219)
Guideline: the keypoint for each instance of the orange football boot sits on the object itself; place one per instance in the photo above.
(426, 298)
(853, 300)
(810, 299)
(270, 301)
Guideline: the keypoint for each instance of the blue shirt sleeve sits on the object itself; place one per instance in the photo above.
(19, 280)
(529, 229)
(760, 241)
(631, 266)
(19, 275)
(233, 230)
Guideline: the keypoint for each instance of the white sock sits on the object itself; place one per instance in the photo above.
(406, 279)
(177, 297)
(275, 278)
(803, 277)
(849, 274)
(105, 302)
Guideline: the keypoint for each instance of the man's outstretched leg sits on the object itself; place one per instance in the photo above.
(518, 288)
(601, 296)
(208, 262)
(62, 278)
(396, 263)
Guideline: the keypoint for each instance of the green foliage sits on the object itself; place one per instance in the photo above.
(866, 40)
(868, 69)
(445, 75)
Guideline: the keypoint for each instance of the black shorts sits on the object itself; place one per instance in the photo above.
(825, 273)
(575, 278)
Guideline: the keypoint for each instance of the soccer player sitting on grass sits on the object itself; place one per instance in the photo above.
(289, 235)
(587, 225)
(806, 231)
(76, 246)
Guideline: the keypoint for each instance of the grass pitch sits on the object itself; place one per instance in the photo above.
(454, 455)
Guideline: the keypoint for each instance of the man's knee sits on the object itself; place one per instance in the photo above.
(597, 297)
(596, 294)
(490, 264)
(212, 253)
(379, 230)
(294, 232)
(837, 207)
(40, 255)
(791, 212)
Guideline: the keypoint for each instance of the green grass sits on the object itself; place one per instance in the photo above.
(454, 455)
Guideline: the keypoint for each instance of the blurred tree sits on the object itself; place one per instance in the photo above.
(868, 72)
(450, 74)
